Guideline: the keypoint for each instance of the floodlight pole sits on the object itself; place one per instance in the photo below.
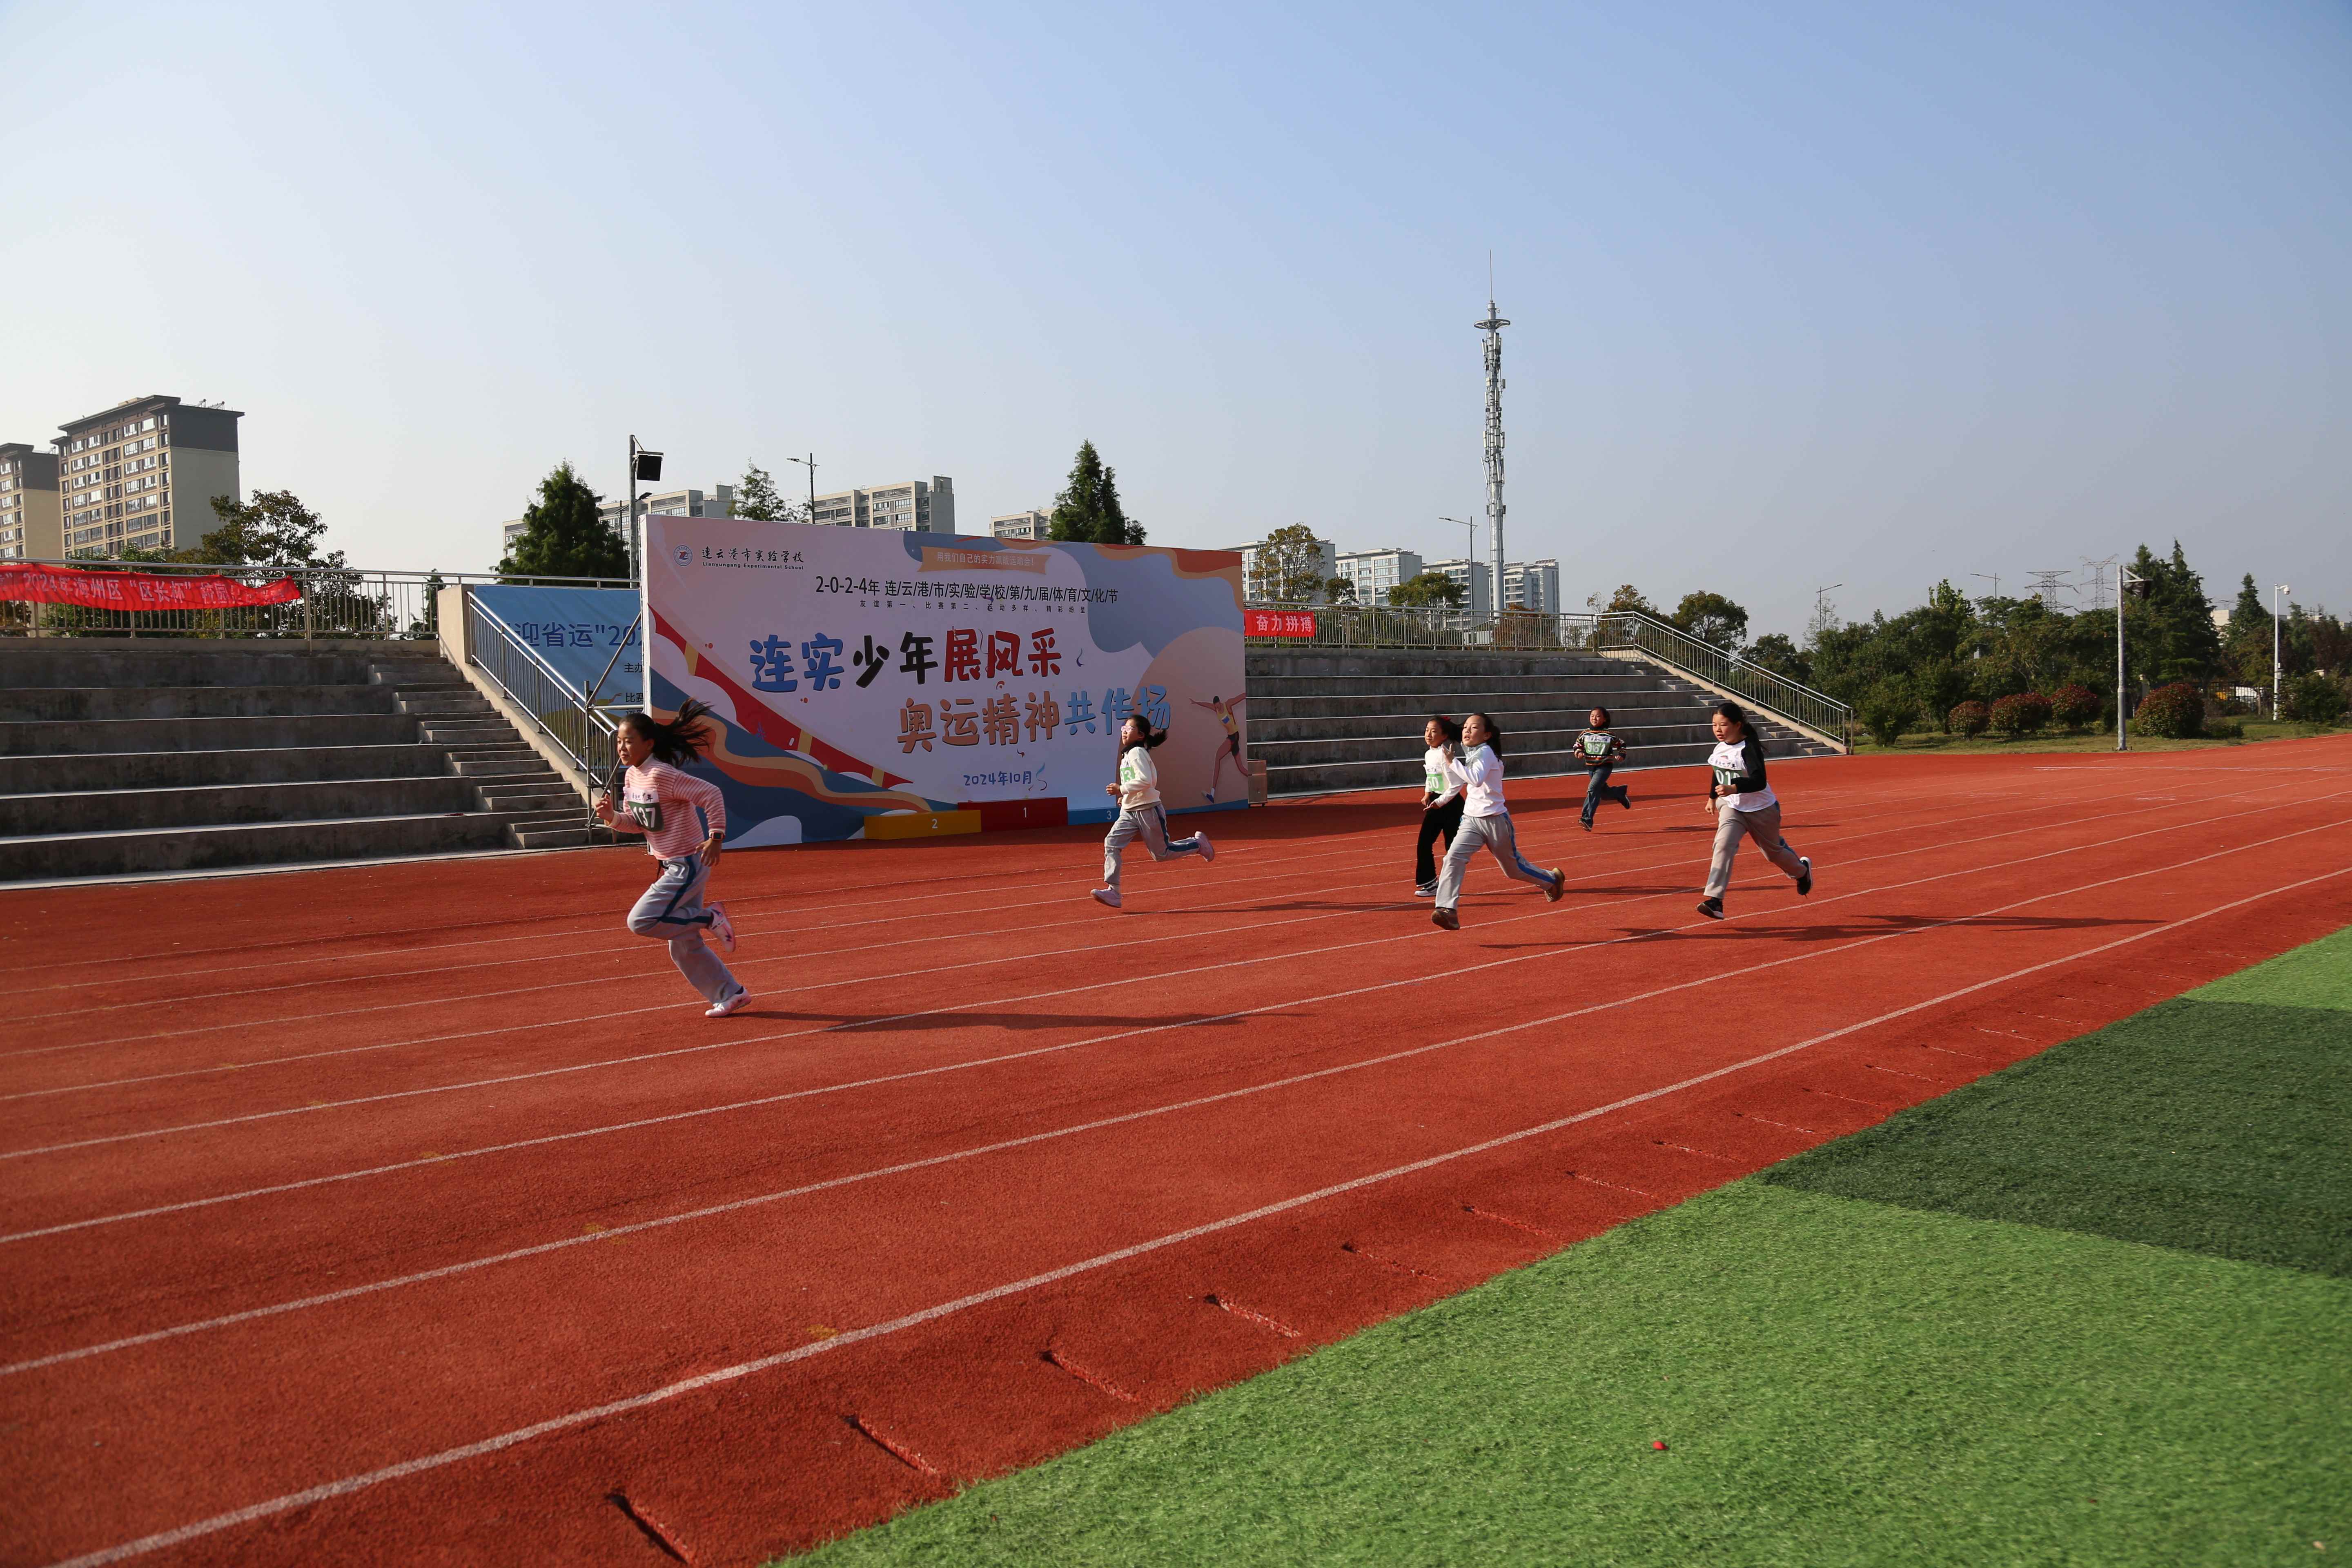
(2123, 740)
(2275, 676)
(809, 463)
(629, 518)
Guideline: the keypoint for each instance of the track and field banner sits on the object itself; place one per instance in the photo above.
(139, 590)
(863, 672)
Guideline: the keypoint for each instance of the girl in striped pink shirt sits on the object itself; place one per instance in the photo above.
(662, 802)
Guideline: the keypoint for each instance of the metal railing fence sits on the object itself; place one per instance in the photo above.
(350, 602)
(579, 725)
(1609, 634)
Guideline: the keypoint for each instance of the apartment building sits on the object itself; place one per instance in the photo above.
(30, 525)
(1375, 571)
(143, 475)
(1532, 585)
(1030, 524)
(1476, 578)
(909, 505)
(716, 502)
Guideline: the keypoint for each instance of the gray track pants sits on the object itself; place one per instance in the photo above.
(672, 912)
(1150, 824)
(1764, 827)
(1502, 841)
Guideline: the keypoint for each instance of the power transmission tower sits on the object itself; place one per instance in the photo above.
(2098, 572)
(2049, 584)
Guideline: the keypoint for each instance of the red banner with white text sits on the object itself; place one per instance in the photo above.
(1278, 622)
(138, 590)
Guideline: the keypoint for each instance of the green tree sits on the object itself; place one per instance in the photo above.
(1711, 618)
(1629, 597)
(1089, 509)
(562, 536)
(757, 498)
(2170, 634)
(1288, 566)
(1428, 590)
(273, 529)
(1776, 652)
(1341, 590)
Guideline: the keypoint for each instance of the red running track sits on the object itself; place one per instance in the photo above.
(416, 1214)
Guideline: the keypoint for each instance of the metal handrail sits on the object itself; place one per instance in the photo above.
(1753, 683)
(569, 718)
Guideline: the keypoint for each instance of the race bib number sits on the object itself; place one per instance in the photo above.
(1596, 745)
(1437, 783)
(646, 814)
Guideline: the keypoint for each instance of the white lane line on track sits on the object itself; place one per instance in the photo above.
(820, 1090)
(1154, 977)
(1319, 865)
(347, 1485)
(1248, 1092)
(1224, 906)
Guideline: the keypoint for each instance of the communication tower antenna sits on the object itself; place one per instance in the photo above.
(1492, 327)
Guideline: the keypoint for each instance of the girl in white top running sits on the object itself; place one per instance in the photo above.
(1441, 802)
(1477, 766)
(1743, 803)
(1140, 815)
(661, 802)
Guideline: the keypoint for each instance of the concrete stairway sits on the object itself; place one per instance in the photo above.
(120, 757)
(1325, 722)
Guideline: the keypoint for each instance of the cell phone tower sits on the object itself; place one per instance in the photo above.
(1492, 327)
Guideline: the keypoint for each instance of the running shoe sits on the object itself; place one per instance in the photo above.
(1711, 908)
(1106, 895)
(1588, 823)
(1559, 886)
(1209, 795)
(1425, 891)
(1208, 851)
(1626, 800)
(723, 928)
(734, 1004)
(1445, 919)
(1804, 877)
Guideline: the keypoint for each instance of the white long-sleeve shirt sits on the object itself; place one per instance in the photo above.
(1138, 778)
(1433, 776)
(1480, 774)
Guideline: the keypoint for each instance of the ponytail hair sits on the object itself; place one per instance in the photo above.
(1732, 712)
(681, 740)
(1494, 731)
(1153, 739)
(1448, 728)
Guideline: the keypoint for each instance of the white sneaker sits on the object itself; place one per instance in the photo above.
(1428, 890)
(723, 928)
(733, 1004)
(1208, 851)
(1108, 896)
(1209, 795)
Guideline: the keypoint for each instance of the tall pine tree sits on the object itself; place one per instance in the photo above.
(562, 536)
(1089, 510)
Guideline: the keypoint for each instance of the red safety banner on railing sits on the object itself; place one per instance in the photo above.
(1278, 622)
(138, 590)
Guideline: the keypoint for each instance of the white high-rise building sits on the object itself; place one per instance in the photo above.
(1476, 579)
(1030, 524)
(1375, 571)
(719, 500)
(910, 505)
(1532, 585)
(1254, 588)
(143, 475)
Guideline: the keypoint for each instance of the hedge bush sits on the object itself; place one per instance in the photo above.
(2314, 697)
(1970, 719)
(2175, 712)
(2075, 705)
(2020, 714)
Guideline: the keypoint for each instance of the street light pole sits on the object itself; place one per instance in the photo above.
(2275, 671)
(1470, 554)
(809, 463)
(2126, 581)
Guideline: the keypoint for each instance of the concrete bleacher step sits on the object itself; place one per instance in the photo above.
(126, 758)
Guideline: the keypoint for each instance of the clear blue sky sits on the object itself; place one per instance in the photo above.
(1800, 293)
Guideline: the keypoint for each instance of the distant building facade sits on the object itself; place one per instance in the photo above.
(31, 524)
(719, 500)
(908, 505)
(1030, 524)
(143, 475)
(1475, 578)
(1532, 585)
(1375, 571)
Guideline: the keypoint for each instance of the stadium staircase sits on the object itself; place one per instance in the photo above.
(120, 757)
(1326, 722)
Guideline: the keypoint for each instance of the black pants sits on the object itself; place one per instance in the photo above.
(1597, 788)
(1436, 822)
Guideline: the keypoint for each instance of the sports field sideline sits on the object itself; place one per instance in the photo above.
(389, 1215)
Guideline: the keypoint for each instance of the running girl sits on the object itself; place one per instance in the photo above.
(1601, 752)
(1477, 766)
(661, 802)
(1139, 812)
(1223, 709)
(1743, 803)
(1441, 802)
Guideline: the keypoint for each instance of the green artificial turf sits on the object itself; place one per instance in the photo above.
(2220, 1121)
(1860, 1357)
(1838, 1382)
